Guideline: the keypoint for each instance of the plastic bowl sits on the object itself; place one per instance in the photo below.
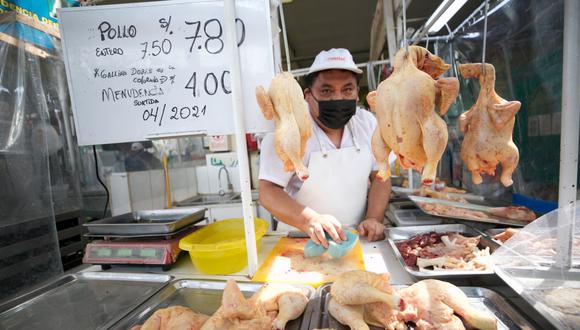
(220, 248)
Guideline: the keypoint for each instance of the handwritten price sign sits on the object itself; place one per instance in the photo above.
(160, 69)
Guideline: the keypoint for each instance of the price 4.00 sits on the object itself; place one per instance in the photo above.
(210, 83)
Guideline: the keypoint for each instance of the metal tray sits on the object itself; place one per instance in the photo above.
(180, 232)
(466, 196)
(480, 298)
(147, 222)
(203, 297)
(80, 301)
(403, 233)
(475, 207)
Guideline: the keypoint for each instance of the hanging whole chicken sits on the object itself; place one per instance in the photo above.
(488, 128)
(405, 105)
(284, 102)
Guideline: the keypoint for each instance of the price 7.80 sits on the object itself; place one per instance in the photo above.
(213, 35)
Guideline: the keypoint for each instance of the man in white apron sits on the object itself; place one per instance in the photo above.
(339, 159)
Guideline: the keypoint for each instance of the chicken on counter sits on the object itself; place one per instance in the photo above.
(270, 308)
(405, 106)
(284, 102)
(432, 304)
(173, 318)
(429, 304)
(488, 128)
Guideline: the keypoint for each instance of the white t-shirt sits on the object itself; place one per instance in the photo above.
(363, 124)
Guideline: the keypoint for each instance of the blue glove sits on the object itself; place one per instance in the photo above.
(335, 250)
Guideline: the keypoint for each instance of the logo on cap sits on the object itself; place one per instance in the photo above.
(336, 58)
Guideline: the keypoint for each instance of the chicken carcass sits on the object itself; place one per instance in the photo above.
(284, 102)
(286, 301)
(488, 128)
(358, 287)
(431, 304)
(174, 318)
(405, 105)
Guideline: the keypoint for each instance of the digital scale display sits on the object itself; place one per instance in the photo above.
(138, 253)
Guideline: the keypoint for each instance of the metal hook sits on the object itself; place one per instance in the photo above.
(484, 38)
(405, 44)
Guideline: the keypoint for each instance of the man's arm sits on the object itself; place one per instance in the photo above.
(286, 209)
(378, 199)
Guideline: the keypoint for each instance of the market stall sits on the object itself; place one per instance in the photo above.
(465, 241)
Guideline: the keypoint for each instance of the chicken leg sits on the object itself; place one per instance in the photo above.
(290, 306)
(349, 315)
(359, 287)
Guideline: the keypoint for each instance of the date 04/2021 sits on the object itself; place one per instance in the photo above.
(158, 113)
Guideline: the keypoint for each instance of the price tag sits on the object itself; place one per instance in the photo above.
(161, 68)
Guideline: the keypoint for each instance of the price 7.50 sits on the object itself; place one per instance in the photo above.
(156, 47)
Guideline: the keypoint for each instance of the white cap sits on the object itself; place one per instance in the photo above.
(137, 146)
(335, 58)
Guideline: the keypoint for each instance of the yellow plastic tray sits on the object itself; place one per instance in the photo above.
(220, 248)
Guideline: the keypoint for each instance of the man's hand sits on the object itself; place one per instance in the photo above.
(372, 228)
(320, 223)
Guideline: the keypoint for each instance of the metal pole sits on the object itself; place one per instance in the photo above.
(570, 131)
(241, 147)
(286, 48)
(425, 29)
(390, 29)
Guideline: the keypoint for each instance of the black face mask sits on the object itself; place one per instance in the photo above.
(335, 113)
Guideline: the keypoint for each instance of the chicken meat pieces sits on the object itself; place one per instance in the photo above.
(174, 318)
(287, 302)
(432, 304)
(405, 104)
(237, 312)
(488, 128)
(358, 287)
(284, 102)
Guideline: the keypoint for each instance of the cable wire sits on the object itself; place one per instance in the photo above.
(101, 181)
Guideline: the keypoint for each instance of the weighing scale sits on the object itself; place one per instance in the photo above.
(160, 250)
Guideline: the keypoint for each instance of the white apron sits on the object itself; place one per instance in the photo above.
(338, 183)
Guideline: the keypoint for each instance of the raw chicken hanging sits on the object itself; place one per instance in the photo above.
(284, 102)
(488, 128)
(405, 105)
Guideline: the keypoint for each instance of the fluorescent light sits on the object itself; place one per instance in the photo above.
(446, 16)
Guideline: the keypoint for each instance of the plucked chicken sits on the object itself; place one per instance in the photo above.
(405, 105)
(174, 318)
(237, 312)
(429, 304)
(432, 304)
(488, 128)
(284, 102)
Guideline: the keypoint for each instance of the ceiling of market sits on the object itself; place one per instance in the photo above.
(314, 25)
